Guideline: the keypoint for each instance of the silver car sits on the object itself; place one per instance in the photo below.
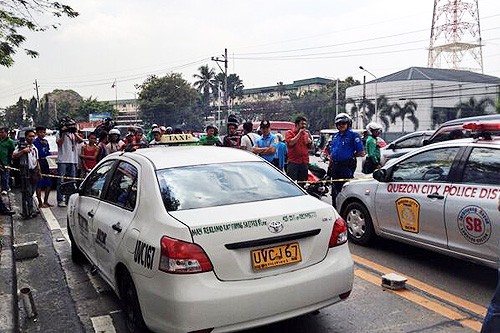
(442, 197)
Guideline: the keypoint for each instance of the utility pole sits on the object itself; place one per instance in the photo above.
(37, 98)
(224, 60)
(364, 98)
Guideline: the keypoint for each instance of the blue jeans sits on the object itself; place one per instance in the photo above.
(64, 170)
(491, 322)
(5, 175)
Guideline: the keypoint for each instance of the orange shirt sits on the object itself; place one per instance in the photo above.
(299, 152)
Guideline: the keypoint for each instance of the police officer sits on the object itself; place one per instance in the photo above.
(346, 145)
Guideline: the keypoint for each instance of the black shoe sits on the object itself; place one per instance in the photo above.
(8, 212)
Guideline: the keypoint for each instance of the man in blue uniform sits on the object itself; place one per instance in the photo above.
(265, 146)
(345, 147)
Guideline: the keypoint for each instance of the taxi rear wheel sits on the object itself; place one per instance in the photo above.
(359, 223)
(130, 304)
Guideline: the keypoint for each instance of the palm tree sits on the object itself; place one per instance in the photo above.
(473, 107)
(205, 85)
(384, 112)
(235, 86)
(407, 111)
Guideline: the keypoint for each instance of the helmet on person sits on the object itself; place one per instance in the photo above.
(343, 118)
(373, 126)
(114, 131)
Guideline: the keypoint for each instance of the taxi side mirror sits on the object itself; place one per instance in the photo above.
(380, 175)
(69, 188)
(425, 142)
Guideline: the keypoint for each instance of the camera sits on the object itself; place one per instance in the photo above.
(67, 125)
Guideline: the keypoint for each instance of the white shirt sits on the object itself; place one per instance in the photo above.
(248, 141)
(67, 151)
(32, 156)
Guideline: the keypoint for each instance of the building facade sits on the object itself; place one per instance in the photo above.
(436, 92)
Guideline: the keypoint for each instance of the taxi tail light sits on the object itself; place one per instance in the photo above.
(339, 233)
(181, 257)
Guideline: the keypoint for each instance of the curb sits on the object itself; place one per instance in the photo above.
(8, 280)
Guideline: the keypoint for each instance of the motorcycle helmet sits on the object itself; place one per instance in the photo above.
(373, 126)
(114, 131)
(343, 118)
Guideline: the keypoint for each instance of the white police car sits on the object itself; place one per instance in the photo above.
(442, 197)
(199, 238)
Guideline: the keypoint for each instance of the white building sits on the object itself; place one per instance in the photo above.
(435, 91)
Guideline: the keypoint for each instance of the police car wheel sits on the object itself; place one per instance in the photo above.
(77, 255)
(359, 223)
(130, 304)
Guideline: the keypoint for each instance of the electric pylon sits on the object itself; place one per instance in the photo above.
(456, 35)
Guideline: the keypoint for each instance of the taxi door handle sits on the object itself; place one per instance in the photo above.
(117, 227)
(91, 213)
(435, 196)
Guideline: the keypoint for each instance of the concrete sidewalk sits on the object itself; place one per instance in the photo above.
(43, 275)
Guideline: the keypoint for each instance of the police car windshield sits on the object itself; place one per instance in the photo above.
(222, 184)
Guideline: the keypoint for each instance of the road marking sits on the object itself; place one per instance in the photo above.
(424, 302)
(50, 218)
(103, 324)
(446, 296)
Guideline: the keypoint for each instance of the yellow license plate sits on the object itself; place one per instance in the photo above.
(275, 256)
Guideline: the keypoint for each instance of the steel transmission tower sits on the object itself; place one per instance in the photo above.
(456, 36)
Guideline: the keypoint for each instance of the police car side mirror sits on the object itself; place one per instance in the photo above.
(69, 188)
(380, 175)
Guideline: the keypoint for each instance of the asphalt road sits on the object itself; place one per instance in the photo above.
(445, 294)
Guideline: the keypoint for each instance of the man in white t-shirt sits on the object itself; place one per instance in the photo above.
(67, 140)
(33, 171)
(248, 139)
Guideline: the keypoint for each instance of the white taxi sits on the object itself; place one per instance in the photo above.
(207, 238)
(442, 197)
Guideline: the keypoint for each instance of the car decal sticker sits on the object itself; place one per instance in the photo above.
(240, 225)
(100, 239)
(465, 191)
(474, 224)
(144, 254)
(408, 214)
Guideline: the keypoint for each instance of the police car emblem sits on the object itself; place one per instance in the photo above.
(275, 227)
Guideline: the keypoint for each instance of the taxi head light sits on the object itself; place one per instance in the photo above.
(181, 257)
(339, 233)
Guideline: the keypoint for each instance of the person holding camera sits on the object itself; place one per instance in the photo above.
(67, 140)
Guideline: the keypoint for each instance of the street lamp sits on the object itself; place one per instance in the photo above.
(376, 108)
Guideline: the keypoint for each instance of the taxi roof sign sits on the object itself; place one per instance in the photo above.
(175, 139)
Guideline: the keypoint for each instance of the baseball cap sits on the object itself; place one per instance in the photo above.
(265, 124)
(156, 130)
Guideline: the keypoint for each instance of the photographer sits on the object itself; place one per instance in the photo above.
(67, 140)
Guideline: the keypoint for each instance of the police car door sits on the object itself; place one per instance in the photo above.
(91, 192)
(411, 204)
(471, 207)
(115, 215)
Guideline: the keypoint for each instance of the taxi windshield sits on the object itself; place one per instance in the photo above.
(222, 184)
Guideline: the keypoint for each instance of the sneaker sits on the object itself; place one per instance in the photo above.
(62, 204)
(4, 192)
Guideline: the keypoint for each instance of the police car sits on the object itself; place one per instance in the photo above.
(207, 238)
(442, 197)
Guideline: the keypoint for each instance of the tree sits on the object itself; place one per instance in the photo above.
(61, 103)
(234, 87)
(15, 114)
(384, 112)
(474, 107)
(19, 14)
(170, 101)
(205, 85)
(407, 111)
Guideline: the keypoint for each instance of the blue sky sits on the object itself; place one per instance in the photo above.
(267, 42)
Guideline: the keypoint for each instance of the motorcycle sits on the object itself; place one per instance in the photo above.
(316, 185)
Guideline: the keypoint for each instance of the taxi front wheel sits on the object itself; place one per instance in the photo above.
(359, 223)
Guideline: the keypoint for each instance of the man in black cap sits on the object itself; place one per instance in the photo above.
(265, 146)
